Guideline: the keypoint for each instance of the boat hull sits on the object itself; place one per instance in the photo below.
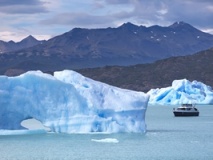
(185, 114)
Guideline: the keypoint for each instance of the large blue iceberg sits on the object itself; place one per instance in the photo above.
(70, 103)
(182, 91)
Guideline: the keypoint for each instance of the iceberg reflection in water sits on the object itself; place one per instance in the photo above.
(167, 137)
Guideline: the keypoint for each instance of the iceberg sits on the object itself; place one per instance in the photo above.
(68, 102)
(182, 91)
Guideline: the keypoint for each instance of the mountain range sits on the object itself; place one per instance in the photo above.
(10, 46)
(125, 45)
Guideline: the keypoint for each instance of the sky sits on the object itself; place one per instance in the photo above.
(45, 19)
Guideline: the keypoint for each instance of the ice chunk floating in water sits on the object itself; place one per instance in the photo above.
(182, 91)
(70, 103)
(106, 140)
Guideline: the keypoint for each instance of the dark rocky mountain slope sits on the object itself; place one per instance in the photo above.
(160, 74)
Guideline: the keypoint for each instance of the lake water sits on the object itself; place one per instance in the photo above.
(167, 138)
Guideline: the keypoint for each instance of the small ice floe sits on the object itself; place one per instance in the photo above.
(105, 140)
(198, 36)
(164, 36)
(135, 32)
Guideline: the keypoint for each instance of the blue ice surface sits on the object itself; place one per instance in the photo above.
(182, 91)
(70, 103)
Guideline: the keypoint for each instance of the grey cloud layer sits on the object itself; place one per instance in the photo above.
(118, 1)
(155, 12)
(67, 14)
(22, 6)
(78, 19)
(196, 12)
(19, 2)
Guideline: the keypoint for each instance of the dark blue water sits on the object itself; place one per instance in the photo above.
(167, 138)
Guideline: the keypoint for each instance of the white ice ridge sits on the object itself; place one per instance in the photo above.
(182, 91)
(70, 103)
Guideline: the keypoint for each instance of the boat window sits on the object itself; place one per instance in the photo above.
(181, 109)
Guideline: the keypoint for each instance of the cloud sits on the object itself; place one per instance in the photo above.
(195, 12)
(21, 9)
(97, 14)
(48, 17)
(18, 36)
(78, 19)
(20, 2)
(208, 30)
(108, 13)
(7, 36)
(119, 1)
(22, 6)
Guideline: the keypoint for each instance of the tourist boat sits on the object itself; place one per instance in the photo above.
(186, 110)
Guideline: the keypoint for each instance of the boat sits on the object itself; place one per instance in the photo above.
(186, 110)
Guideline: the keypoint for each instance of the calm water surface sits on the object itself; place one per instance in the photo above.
(167, 138)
